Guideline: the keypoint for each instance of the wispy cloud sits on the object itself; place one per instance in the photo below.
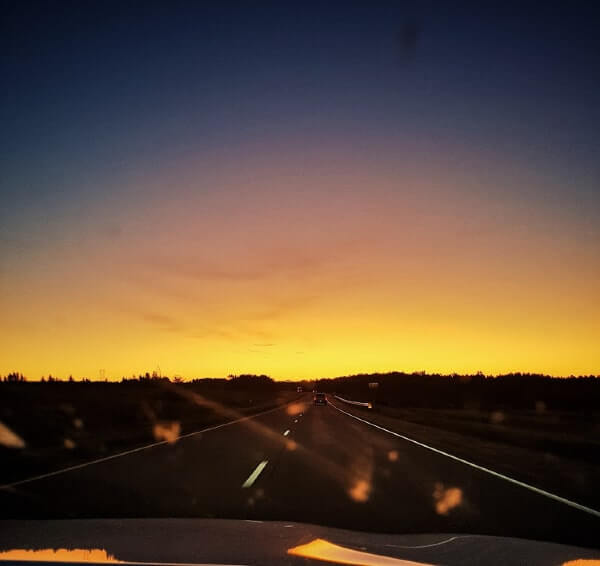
(162, 321)
(224, 330)
(261, 264)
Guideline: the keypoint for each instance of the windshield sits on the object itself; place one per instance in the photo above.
(333, 263)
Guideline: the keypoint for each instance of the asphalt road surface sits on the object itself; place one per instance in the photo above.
(303, 463)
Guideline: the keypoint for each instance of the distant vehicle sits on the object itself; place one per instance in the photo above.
(298, 389)
(320, 399)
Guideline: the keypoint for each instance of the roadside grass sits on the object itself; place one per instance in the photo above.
(555, 451)
(564, 434)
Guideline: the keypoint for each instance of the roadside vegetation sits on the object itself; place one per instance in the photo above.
(539, 429)
(536, 428)
(53, 424)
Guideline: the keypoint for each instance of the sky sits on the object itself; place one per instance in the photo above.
(299, 189)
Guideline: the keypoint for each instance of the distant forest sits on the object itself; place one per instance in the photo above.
(519, 391)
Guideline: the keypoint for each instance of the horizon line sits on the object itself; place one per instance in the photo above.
(154, 376)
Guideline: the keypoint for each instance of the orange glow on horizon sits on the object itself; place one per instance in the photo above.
(324, 278)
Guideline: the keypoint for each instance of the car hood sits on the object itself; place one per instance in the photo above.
(220, 541)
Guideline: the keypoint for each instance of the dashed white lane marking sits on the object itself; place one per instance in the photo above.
(286, 432)
(134, 450)
(254, 475)
(478, 467)
(295, 420)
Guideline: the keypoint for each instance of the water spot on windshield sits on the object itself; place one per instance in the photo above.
(295, 408)
(392, 455)
(496, 417)
(168, 431)
(9, 438)
(446, 499)
(360, 491)
(259, 493)
(67, 408)
(361, 474)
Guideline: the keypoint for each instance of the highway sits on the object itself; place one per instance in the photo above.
(303, 463)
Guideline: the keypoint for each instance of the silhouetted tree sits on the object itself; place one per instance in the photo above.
(15, 377)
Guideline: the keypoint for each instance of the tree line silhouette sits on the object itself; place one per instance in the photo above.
(522, 391)
(243, 381)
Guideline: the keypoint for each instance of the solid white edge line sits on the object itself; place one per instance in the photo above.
(254, 475)
(478, 467)
(9, 486)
